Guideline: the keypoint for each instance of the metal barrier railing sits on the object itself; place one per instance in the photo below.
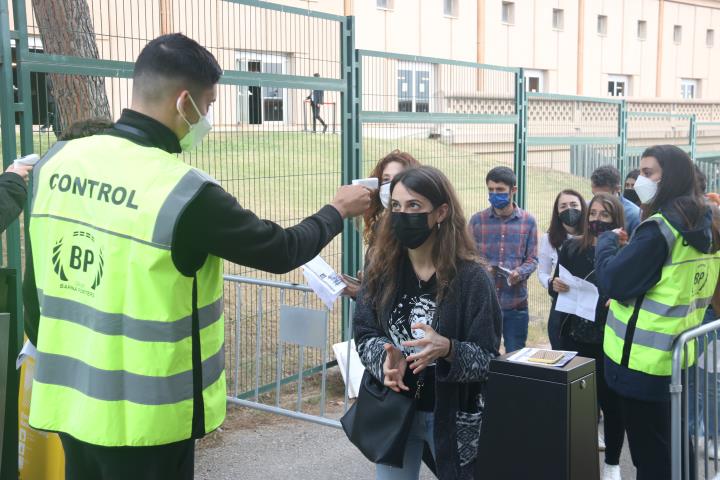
(690, 384)
(296, 325)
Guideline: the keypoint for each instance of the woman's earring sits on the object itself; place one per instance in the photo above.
(438, 225)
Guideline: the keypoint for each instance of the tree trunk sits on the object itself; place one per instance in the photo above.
(66, 28)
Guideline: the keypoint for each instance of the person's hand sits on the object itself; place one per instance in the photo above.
(394, 369)
(514, 278)
(559, 286)
(351, 200)
(433, 346)
(353, 287)
(607, 304)
(22, 170)
(622, 236)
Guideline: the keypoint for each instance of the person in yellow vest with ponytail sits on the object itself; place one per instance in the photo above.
(124, 282)
(660, 284)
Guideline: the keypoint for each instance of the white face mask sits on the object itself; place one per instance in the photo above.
(198, 130)
(646, 189)
(385, 194)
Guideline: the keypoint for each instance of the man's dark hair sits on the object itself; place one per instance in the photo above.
(502, 175)
(175, 59)
(633, 174)
(701, 179)
(606, 176)
(85, 128)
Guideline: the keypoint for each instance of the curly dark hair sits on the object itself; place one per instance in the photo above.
(606, 176)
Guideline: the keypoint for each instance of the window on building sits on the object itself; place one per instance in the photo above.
(602, 24)
(677, 34)
(508, 12)
(710, 37)
(534, 80)
(642, 30)
(386, 4)
(618, 85)
(689, 88)
(450, 8)
(414, 87)
(558, 19)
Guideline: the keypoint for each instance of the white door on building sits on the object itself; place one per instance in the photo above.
(618, 85)
(535, 80)
(259, 105)
(689, 88)
(414, 84)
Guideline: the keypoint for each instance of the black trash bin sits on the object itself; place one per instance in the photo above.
(540, 422)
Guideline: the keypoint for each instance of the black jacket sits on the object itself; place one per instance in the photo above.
(626, 273)
(580, 263)
(470, 316)
(13, 194)
(212, 224)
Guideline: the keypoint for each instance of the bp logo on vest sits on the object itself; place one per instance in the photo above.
(700, 278)
(78, 261)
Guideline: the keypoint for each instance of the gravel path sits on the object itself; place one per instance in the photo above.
(280, 448)
(294, 450)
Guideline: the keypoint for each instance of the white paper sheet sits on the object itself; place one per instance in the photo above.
(324, 281)
(356, 367)
(582, 298)
(28, 350)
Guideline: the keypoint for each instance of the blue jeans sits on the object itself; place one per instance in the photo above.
(515, 329)
(420, 432)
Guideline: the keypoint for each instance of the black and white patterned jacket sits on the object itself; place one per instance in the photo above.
(470, 316)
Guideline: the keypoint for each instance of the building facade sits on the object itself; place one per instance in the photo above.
(637, 49)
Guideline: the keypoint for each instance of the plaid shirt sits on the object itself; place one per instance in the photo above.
(511, 243)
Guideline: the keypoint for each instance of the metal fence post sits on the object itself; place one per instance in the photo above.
(8, 107)
(350, 100)
(693, 136)
(622, 133)
(520, 156)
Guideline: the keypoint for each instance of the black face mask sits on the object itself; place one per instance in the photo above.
(570, 217)
(596, 227)
(411, 229)
(632, 196)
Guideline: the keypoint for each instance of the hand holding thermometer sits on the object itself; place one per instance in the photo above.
(27, 160)
(369, 183)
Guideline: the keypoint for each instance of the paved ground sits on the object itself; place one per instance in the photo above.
(279, 448)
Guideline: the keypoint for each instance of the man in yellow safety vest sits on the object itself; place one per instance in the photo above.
(124, 286)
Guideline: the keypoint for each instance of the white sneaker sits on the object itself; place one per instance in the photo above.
(601, 442)
(611, 472)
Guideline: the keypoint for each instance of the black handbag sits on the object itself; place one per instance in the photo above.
(379, 422)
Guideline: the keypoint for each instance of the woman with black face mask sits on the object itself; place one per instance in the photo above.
(568, 220)
(577, 255)
(427, 316)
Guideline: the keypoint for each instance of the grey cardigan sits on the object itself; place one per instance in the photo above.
(470, 316)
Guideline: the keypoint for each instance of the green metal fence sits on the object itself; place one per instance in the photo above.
(462, 117)
(651, 128)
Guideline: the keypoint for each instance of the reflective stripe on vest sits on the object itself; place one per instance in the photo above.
(640, 337)
(115, 342)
